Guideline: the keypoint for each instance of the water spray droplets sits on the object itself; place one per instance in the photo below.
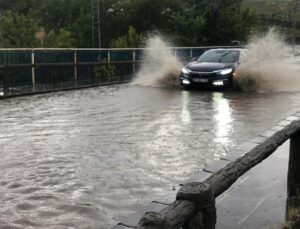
(160, 68)
(269, 67)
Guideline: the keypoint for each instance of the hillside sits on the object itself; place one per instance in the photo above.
(279, 13)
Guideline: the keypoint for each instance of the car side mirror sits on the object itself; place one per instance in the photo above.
(193, 59)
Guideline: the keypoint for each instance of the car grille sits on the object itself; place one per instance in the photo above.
(201, 74)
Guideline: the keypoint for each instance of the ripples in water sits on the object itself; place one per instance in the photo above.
(87, 158)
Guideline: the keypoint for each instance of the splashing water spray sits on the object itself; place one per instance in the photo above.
(269, 67)
(160, 67)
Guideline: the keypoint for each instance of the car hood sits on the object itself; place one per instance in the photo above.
(208, 66)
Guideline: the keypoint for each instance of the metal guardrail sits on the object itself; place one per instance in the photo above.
(194, 207)
(19, 79)
(27, 71)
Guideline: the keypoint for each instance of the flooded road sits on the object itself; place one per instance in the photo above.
(87, 158)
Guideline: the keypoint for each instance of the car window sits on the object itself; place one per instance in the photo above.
(222, 56)
(230, 57)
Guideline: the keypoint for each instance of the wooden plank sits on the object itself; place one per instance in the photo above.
(294, 166)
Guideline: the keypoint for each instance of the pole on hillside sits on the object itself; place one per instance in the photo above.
(92, 5)
(296, 6)
(98, 22)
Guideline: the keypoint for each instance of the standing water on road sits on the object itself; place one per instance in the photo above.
(88, 158)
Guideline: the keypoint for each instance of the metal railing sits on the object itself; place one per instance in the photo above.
(26, 71)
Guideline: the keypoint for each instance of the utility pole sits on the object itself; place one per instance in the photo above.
(93, 33)
(96, 22)
(296, 7)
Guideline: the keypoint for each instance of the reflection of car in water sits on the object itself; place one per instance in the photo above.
(215, 68)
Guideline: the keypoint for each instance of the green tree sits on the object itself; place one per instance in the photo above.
(131, 40)
(188, 25)
(17, 30)
(69, 22)
(61, 39)
(227, 21)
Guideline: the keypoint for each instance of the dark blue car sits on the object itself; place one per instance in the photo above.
(215, 68)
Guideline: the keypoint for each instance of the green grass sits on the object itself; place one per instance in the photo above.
(294, 215)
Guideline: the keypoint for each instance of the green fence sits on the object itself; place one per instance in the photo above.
(25, 71)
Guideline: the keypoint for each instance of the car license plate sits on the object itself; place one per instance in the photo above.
(200, 80)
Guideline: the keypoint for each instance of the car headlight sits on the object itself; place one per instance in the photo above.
(186, 82)
(225, 71)
(185, 71)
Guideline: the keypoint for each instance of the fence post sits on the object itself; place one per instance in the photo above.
(33, 69)
(108, 56)
(134, 60)
(2, 81)
(108, 65)
(294, 173)
(202, 196)
(75, 67)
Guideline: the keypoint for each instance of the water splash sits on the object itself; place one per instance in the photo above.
(269, 67)
(160, 67)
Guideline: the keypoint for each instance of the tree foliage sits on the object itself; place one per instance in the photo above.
(68, 23)
(131, 40)
(17, 30)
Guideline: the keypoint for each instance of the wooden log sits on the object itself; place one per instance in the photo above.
(293, 198)
(223, 179)
(151, 220)
(294, 166)
(173, 216)
(201, 195)
(195, 223)
(193, 209)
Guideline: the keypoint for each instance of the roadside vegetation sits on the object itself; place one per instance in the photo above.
(294, 219)
(278, 13)
(74, 23)
(119, 24)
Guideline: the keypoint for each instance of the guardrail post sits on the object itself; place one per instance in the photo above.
(2, 81)
(108, 56)
(33, 70)
(133, 60)
(294, 173)
(202, 196)
(75, 68)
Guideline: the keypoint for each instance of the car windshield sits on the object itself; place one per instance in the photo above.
(221, 56)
